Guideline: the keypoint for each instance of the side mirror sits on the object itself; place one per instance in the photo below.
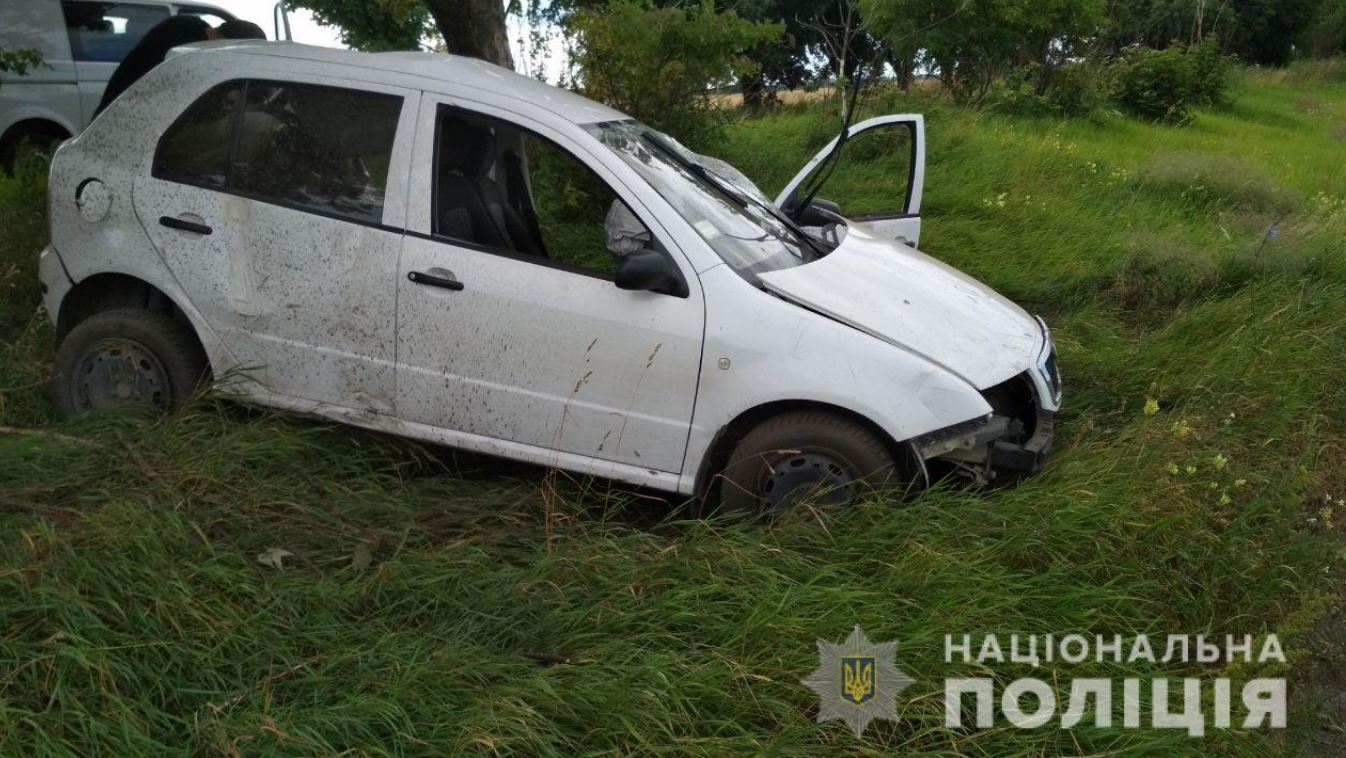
(649, 271)
(819, 212)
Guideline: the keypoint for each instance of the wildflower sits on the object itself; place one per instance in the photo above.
(1225, 499)
(1219, 461)
(1238, 483)
(1181, 429)
(1171, 469)
(1215, 485)
(1191, 469)
(1151, 406)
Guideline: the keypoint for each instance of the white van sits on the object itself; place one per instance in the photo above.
(81, 43)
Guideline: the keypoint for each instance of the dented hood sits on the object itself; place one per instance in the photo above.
(907, 298)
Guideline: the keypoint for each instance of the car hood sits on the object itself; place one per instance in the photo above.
(908, 299)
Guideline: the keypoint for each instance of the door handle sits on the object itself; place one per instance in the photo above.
(447, 282)
(184, 225)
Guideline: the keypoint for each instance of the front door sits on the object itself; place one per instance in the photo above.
(877, 177)
(267, 201)
(509, 325)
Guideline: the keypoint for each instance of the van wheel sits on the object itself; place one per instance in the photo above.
(812, 456)
(127, 358)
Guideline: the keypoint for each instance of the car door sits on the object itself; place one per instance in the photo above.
(267, 200)
(509, 324)
(877, 177)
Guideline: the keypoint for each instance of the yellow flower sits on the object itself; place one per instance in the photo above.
(1171, 469)
(1240, 482)
(1224, 498)
(1151, 406)
(1219, 461)
(1191, 469)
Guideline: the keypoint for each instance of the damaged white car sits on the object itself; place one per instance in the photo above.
(438, 248)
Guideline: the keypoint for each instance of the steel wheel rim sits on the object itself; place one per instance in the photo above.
(119, 373)
(791, 476)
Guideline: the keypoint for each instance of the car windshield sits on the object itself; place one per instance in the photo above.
(719, 202)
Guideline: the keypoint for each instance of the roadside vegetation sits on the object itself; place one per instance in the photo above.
(231, 581)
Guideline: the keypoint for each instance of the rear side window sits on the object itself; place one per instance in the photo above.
(318, 148)
(315, 148)
(195, 149)
(107, 31)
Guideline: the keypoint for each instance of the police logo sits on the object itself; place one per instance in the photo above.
(857, 681)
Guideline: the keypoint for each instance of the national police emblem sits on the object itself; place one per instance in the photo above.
(857, 681)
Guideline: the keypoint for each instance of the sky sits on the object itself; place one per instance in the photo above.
(304, 29)
(302, 26)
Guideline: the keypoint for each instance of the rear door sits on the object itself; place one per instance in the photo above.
(278, 207)
(876, 179)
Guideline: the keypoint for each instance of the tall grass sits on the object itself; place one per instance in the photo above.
(441, 604)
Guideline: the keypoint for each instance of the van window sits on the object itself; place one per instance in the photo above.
(107, 31)
(324, 149)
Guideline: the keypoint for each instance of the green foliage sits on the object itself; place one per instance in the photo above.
(658, 64)
(18, 62)
(1163, 85)
(372, 25)
(974, 42)
(1074, 92)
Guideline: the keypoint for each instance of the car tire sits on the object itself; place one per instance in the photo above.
(806, 456)
(127, 358)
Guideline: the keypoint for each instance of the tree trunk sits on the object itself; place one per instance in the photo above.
(474, 28)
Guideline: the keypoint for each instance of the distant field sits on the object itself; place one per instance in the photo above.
(137, 619)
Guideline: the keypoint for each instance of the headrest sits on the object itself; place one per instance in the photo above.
(467, 149)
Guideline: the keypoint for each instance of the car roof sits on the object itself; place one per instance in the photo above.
(455, 69)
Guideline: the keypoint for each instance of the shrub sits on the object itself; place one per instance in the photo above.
(658, 64)
(1162, 85)
(1073, 91)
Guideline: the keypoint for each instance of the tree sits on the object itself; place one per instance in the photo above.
(658, 64)
(474, 28)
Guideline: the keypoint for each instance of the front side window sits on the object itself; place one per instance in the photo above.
(106, 32)
(726, 210)
(504, 188)
(315, 148)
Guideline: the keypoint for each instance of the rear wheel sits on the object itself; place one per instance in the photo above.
(807, 456)
(127, 358)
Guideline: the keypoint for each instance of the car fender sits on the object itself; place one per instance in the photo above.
(761, 349)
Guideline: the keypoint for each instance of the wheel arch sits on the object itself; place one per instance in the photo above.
(109, 291)
(729, 435)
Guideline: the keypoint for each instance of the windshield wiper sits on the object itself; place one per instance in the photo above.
(726, 188)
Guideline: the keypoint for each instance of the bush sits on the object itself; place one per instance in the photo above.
(1162, 85)
(1073, 92)
(658, 64)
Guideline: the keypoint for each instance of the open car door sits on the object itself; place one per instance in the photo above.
(877, 177)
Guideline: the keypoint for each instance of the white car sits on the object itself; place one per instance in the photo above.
(81, 43)
(439, 248)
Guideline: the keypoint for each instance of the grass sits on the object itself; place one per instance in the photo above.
(422, 586)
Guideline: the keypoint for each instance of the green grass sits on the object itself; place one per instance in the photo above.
(137, 619)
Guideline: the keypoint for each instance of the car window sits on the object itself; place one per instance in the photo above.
(502, 187)
(318, 148)
(195, 149)
(107, 31)
(324, 149)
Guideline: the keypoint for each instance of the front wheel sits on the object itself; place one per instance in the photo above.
(127, 358)
(807, 456)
